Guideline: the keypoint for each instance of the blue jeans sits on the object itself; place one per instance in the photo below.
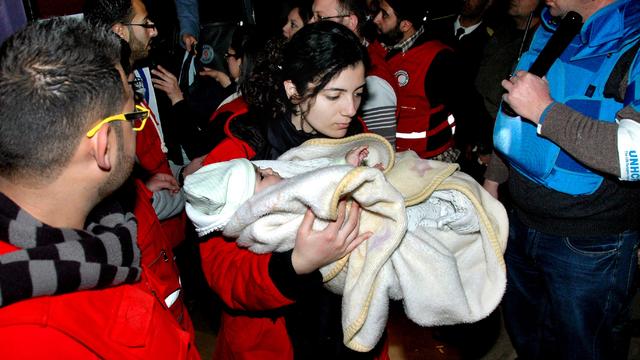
(569, 297)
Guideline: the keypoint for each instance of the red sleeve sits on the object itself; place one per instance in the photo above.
(241, 278)
(38, 342)
(149, 151)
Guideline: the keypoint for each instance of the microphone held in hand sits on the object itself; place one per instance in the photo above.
(569, 27)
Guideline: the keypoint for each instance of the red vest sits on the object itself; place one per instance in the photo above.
(418, 120)
(379, 66)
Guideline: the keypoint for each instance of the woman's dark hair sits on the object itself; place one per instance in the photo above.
(313, 56)
(247, 42)
(304, 10)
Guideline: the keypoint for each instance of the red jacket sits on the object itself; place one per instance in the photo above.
(241, 279)
(230, 147)
(121, 322)
(161, 272)
(153, 160)
(418, 121)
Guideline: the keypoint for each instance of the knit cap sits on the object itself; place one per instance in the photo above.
(216, 191)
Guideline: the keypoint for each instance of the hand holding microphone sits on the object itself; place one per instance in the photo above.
(528, 95)
(527, 91)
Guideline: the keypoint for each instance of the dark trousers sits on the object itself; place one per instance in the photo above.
(569, 297)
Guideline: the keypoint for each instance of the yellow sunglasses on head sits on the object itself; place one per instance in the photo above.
(138, 120)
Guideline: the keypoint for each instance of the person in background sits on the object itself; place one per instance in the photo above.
(199, 136)
(308, 87)
(499, 59)
(380, 105)
(70, 269)
(467, 33)
(298, 16)
(572, 179)
(430, 87)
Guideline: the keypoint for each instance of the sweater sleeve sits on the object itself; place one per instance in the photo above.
(188, 17)
(497, 170)
(167, 204)
(594, 143)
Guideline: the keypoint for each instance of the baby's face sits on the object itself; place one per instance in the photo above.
(265, 178)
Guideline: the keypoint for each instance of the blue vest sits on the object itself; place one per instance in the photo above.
(578, 80)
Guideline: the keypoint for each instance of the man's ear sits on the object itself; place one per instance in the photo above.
(405, 25)
(102, 148)
(121, 30)
(290, 90)
(352, 23)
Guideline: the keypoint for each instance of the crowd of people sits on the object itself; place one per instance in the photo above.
(92, 169)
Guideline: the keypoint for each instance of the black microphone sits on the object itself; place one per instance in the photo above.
(568, 28)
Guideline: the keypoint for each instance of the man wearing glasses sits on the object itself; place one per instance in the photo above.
(70, 269)
(429, 83)
(164, 225)
(129, 20)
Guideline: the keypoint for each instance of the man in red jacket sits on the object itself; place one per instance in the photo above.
(70, 268)
(430, 85)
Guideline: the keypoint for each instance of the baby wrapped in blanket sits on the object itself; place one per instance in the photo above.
(441, 254)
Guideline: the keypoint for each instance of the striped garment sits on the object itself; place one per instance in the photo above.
(58, 261)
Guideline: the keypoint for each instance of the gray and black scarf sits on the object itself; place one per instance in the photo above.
(58, 261)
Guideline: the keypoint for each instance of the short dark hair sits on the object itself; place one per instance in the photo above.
(304, 9)
(108, 12)
(57, 78)
(315, 55)
(357, 8)
(416, 12)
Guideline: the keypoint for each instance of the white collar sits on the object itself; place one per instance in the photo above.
(467, 30)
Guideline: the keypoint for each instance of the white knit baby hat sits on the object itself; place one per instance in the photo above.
(216, 191)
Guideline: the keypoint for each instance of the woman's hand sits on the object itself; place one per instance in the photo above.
(223, 79)
(167, 82)
(315, 249)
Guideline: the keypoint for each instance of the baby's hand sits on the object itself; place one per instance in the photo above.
(357, 155)
(379, 166)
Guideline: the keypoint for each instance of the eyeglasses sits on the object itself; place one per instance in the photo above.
(136, 83)
(322, 18)
(228, 55)
(138, 120)
(147, 25)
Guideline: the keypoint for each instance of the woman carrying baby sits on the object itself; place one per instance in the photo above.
(276, 307)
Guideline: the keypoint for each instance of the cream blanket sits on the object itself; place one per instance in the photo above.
(442, 254)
